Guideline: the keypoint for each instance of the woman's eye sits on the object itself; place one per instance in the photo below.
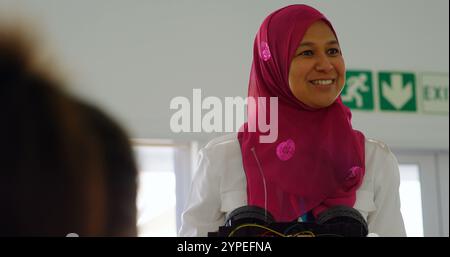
(333, 51)
(306, 53)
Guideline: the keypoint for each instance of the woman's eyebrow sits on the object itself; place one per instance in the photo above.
(331, 42)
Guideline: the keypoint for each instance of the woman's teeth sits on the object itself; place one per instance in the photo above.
(322, 82)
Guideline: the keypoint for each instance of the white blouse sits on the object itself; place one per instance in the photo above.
(219, 187)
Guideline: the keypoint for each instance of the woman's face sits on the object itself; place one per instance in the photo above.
(317, 71)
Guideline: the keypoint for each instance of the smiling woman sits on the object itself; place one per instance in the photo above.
(318, 160)
(317, 72)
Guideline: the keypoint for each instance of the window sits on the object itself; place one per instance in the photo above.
(164, 182)
(421, 192)
(156, 201)
(411, 199)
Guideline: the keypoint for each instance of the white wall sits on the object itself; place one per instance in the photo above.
(133, 57)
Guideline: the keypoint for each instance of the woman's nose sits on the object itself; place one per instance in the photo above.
(323, 64)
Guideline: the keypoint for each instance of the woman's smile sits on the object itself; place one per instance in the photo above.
(322, 84)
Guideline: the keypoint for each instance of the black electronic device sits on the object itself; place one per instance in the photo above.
(254, 221)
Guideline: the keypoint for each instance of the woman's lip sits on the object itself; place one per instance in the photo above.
(311, 80)
(332, 82)
(324, 87)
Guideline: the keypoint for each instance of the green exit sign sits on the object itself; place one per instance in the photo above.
(357, 93)
(434, 92)
(397, 91)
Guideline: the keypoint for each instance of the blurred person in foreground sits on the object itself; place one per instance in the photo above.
(66, 167)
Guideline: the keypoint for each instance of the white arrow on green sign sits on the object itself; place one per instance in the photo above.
(397, 91)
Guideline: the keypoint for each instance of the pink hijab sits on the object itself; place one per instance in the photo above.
(317, 160)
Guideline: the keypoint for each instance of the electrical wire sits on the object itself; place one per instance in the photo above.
(299, 234)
